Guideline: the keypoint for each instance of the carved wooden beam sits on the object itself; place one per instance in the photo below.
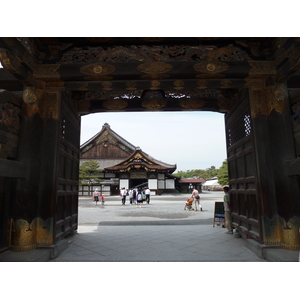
(13, 65)
(164, 84)
(287, 60)
(153, 75)
(23, 48)
(206, 69)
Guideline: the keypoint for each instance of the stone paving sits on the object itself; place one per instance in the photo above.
(164, 209)
(159, 232)
(156, 243)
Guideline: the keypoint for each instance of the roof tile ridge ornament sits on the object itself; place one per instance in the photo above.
(105, 125)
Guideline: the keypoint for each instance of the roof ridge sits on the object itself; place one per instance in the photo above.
(106, 126)
(121, 138)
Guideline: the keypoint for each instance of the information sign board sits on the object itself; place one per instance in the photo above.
(219, 214)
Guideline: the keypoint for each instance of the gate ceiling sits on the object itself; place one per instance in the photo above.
(140, 74)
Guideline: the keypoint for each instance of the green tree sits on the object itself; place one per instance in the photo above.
(211, 172)
(208, 173)
(89, 172)
(198, 173)
(222, 173)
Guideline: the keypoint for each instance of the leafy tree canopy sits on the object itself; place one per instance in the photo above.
(89, 172)
(198, 173)
(221, 173)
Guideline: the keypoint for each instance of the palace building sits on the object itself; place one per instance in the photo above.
(125, 165)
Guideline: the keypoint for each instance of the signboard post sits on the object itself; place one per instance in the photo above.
(219, 214)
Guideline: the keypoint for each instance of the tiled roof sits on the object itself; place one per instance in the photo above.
(159, 165)
(118, 137)
(153, 164)
(104, 163)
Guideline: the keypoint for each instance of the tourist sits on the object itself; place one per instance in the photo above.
(196, 197)
(143, 196)
(134, 192)
(147, 193)
(130, 193)
(96, 196)
(227, 210)
(123, 195)
(139, 199)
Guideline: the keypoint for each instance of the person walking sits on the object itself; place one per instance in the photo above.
(123, 195)
(139, 198)
(196, 197)
(143, 196)
(130, 193)
(96, 195)
(134, 192)
(227, 210)
(147, 193)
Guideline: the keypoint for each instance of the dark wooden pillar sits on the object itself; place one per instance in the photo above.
(10, 168)
(33, 212)
(274, 147)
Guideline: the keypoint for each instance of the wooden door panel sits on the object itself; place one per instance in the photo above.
(242, 172)
(68, 171)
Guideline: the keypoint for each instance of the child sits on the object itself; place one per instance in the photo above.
(102, 199)
(188, 204)
(139, 199)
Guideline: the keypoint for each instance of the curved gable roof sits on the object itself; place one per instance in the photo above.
(136, 157)
(140, 159)
(91, 142)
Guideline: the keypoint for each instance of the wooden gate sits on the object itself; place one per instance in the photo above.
(66, 208)
(242, 171)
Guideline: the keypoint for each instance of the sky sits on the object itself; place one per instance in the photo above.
(191, 140)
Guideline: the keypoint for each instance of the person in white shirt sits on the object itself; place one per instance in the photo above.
(123, 195)
(130, 193)
(147, 193)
